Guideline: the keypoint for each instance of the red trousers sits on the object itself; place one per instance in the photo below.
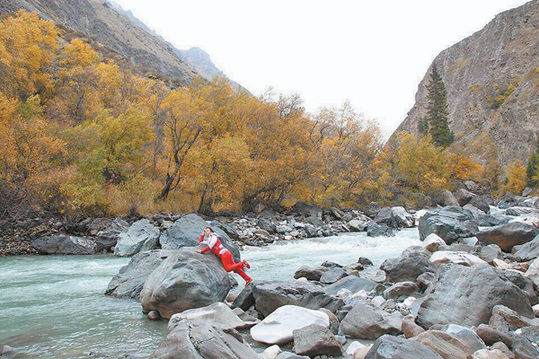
(229, 265)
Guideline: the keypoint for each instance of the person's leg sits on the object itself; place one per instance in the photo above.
(228, 262)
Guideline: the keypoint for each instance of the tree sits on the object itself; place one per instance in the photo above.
(531, 170)
(437, 113)
(516, 178)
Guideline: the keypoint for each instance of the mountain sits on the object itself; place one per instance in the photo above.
(492, 80)
(112, 32)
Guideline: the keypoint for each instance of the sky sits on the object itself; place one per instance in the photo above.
(371, 53)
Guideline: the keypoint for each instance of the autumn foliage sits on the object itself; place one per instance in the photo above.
(81, 134)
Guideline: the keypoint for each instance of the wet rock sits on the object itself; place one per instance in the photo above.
(140, 236)
(444, 344)
(309, 273)
(278, 327)
(218, 314)
(394, 217)
(400, 289)
(202, 340)
(366, 321)
(129, 281)
(153, 315)
(408, 266)
(64, 245)
(333, 275)
(490, 335)
(409, 328)
(390, 347)
(185, 280)
(315, 340)
(433, 242)
(270, 295)
(377, 230)
(508, 235)
(364, 261)
(528, 251)
(109, 236)
(352, 283)
(449, 223)
(186, 231)
(461, 258)
(468, 295)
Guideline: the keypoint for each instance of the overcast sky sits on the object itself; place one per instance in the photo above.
(373, 53)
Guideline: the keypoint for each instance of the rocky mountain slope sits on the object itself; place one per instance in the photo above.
(492, 81)
(101, 22)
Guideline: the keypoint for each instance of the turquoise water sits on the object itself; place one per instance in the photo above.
(54, 307)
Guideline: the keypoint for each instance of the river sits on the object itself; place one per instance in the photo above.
(54, 307)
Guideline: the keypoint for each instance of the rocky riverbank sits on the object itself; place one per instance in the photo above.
(469, 291)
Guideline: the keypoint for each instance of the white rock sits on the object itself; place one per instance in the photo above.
(533, 272)
(361, 353)
(489, 354)
(344, 293)
(218, 313)
(456, 257)
(536, 310)
(378, 301)
(362, 294)
(270, 352)
(353, 347)
(433, 242)
(277, 327)
(419, 214)
(498, 263)
(532, 219)
(408, 302)
(471, 241)
(302, 280)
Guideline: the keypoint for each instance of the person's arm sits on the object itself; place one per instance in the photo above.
(211, 242)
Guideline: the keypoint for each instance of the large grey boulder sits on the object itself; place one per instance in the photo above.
(108, 237)
(411, 264)
(316, 340)
(377, 230)
(466, 295)
(445, 198)
(508, 235)
(365, 321)
(333, 275)
(449, 223)
(528, 251)
(310, 273)
(218, 314)
(129, 281)
(64, 245)
(141, 236)
(270, 295)
(481, 202)
(186, 231)
(196, 340)
(185, 280)
(394, 217)
(463, 196)
(390, 347)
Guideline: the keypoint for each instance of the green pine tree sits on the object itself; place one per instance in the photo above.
(533, 163)
(437, 111)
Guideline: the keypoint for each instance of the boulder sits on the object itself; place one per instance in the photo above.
(394, 217)
(309, 273)
(266, 224)
(468, 294)
(401, 289)
(352, 283)
(444, 344)
(481, 202)
(218, 314)
(504, 319)
(365, 321)
(270, 295)
(271, 352)
(108, 237)
(465, 335)
(529, 332)
(390, 347)
(332, 275)
(433, 242)
(461, 258)
(359, 224)
(185, 280)
(524, 349)
(140, 236)
(449, 223)
(409, 328)
(195, 340)
(186, 231)
(278, 327)
(528, 251)
(490, 335)
(508, 235)
(519, 211)
(463, 196)
(377, 230)
(64, 245)
(408, 266)
(533, 272)
(306, 210)
(129, 281)
(228, 228)
(316, 340)
(490, 252)
(489, 354)
(446, 198)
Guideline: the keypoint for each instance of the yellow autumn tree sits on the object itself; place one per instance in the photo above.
(516, 178)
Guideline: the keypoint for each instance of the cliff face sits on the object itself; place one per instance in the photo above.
(100, 21)
(492, 81)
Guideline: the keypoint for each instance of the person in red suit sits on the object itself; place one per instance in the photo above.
(213, 244)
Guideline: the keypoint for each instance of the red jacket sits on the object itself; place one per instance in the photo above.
(213, 243)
